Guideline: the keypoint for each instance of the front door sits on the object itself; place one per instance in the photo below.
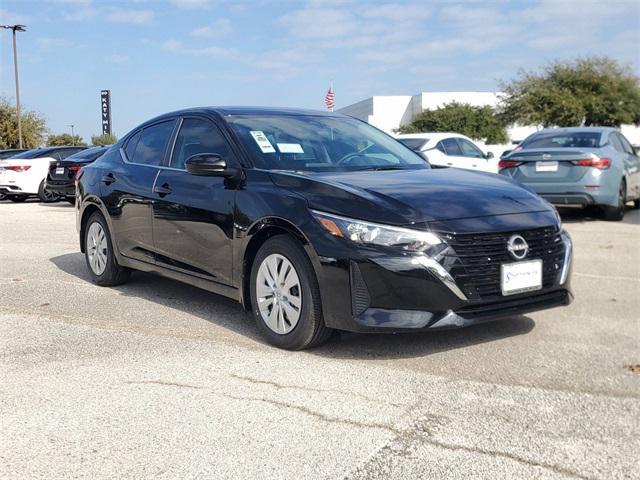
(193, 215)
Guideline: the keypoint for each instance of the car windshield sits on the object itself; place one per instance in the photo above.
(320, 143)
(563, 140)
(414, 143)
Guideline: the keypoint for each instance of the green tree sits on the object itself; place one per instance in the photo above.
(65, 139)
(33, 125)
(479, 123)
(104, 139)
(584, 91)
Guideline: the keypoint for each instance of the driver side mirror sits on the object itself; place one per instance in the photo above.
(209, 164)
(488, 155)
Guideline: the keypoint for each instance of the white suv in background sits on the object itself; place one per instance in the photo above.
(24, 174)
(450, 150)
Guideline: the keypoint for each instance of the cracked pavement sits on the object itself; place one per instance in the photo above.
(158, 379)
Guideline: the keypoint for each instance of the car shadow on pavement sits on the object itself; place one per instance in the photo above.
(229, 314)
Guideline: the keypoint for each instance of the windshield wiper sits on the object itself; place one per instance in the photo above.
(384, 167)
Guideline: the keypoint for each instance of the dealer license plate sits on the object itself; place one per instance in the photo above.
(59, 170)
(521, 277)
(546, 166)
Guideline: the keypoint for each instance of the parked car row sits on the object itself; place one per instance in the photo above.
(44, 172)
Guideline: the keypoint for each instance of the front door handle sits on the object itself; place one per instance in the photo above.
(109, 178)
(162, 190)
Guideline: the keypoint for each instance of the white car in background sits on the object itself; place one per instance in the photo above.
(450, 150)
(24, 174)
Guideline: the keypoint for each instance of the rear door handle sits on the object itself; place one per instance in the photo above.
(109, 178)
(162, 190)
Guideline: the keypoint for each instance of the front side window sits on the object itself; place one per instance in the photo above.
(469, 149)
(451, 147)
(152, 145)
(198, 136)
(320, 143)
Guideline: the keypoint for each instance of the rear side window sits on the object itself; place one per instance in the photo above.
(615, 141)
(626, 146)
(451, 147)
(152, 145)
(131, 146)
(198, 136)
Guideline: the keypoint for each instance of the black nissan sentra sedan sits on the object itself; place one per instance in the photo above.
(60, 179)
(318, 222)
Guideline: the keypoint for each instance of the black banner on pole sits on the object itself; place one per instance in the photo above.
(105, 108)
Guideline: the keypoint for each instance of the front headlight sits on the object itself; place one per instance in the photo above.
(366, 233)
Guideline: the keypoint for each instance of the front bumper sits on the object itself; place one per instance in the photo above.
(375, 292)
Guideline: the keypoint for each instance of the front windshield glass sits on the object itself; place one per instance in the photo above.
(563, 140)
(320, 143)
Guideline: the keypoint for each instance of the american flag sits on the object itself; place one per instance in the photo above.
(328, 99)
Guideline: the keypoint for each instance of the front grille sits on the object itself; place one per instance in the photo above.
(474, 259)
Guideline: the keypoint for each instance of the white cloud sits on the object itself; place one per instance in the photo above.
(47, 44)
(191, 4)
(218, 28)
(118, 59)
(11, 18)
(176, 46)
(125, 15)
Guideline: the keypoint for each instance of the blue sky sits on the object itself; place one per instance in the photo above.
(158, 56)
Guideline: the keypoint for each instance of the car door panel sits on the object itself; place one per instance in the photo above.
(126, 187)
(193, 215)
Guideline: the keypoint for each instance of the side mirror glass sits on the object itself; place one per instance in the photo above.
(208, 164)
(489, 155)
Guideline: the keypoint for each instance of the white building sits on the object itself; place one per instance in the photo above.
(388, 112)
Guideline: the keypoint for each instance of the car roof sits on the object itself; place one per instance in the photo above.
(231, 110)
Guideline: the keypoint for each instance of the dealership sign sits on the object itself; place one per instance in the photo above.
(105, 107)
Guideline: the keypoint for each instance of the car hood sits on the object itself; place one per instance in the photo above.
(403, 197)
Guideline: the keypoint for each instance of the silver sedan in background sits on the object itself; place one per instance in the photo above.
(578, 166)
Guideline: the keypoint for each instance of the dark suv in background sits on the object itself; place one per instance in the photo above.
(315, 222)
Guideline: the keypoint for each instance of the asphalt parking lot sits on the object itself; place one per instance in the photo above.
(158, 379)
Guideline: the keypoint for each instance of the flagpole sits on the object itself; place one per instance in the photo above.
(333, 94)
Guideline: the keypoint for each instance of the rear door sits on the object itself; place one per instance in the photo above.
(193, 215)
(127, 189)
(632, 166)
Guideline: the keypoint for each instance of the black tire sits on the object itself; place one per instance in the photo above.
(616, 213)
(636, 204)
(113, 273)
(71, 200)
(310, 331)
(17, 198)
(45, 195)
(3, 196)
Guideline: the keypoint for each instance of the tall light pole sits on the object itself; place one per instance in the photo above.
(16, 28)
(73, 137)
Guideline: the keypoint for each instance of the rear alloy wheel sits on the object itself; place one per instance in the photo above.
(47, 196)
(285, 297)
(617, 213)
(17, 198)
(98, 251)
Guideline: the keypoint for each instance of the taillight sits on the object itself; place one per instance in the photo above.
(78, 174)
(508, 164)
(601, 163)
(74, 168)
(18, 168)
